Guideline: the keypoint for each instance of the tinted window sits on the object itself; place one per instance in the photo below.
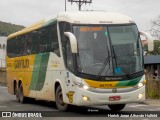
(64, 27)
(38, 41)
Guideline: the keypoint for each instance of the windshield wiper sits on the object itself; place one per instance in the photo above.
(114, 57)
(123, 66)
(104, 65)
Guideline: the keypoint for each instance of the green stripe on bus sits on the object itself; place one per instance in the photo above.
(131, 82)
(52, 21)
(122, 83)
(39, 71)
(35, 72)
(43, 70)
(134, 81)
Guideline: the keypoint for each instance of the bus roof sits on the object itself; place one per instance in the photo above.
(92, 17)
(80, 17)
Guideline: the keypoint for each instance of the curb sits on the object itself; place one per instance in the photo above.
(152, 102)
(144, 102)
(3, 84)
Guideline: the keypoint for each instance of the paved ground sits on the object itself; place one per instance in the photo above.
(8, 103)
(152, 102)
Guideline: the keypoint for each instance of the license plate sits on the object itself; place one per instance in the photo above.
(114, 98)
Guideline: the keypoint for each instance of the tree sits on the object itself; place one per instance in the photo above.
(156, 48)
(155, 28)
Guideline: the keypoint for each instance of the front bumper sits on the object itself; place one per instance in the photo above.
(103, 98)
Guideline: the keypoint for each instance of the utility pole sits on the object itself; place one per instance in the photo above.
(65, 6)
(80, 2)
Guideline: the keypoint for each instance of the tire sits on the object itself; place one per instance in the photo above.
(16, 91)
(59, 100)
(116, 107)
(21, 97)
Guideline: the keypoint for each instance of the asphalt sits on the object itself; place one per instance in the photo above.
(152, 102)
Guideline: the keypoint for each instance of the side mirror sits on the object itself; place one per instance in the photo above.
(73, 41)
(149, 40)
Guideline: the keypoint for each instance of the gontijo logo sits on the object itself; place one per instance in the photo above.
(21, 63)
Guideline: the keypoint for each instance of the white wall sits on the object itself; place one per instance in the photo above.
(2, 51)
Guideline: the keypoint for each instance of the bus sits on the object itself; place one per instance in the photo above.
(81, 58)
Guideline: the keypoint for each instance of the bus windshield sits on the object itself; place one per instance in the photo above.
(113, 50)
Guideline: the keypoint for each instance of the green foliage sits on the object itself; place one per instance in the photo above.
(152, 95)
(152, 88)
(8, 28)
(156, 48)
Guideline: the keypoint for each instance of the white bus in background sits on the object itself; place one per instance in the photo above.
(3, 52)
(78, 58)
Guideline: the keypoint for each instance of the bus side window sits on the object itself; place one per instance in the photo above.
(43, 40)
(53, 40)
(23, 39)
(18, 46)
(34, 42)
(29, 43)
(10, 49)
(69, 56)
(64, 27)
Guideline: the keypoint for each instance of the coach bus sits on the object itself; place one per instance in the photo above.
(78, 58)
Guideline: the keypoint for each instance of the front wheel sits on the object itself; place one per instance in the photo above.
(59, 100)
(116, 107)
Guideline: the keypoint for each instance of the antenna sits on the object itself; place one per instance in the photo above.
(80, 2)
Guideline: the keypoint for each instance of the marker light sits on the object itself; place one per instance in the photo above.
(85, 98)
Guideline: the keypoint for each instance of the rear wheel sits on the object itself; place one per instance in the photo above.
(21, 97)
(116, 107)
(59, 100)
(16, 92)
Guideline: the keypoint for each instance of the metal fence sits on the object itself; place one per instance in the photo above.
(3, 71)
(2, 64)
(153, 87)
(3, 79)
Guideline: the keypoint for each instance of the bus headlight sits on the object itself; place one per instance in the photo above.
(140, 84)
(85, 87)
